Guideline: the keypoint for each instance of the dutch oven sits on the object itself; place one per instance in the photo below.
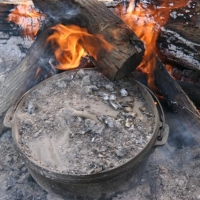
(89, 186)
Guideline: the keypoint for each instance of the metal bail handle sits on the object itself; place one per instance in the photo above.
(165, 134)
(164, 128)
(8, 117)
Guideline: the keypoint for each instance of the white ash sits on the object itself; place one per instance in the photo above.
(61, 84)
(123, 93)
(93, 123)
(173, 14)
(86, 80)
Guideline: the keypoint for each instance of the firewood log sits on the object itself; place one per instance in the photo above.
(172, 91)
(186, 122)
(23, 77)
(93, 15)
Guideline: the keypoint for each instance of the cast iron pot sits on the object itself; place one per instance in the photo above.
(94, 186)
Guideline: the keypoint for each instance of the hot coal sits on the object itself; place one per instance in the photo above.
(85, 120)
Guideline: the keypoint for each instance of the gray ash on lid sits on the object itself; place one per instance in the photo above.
(85, 125)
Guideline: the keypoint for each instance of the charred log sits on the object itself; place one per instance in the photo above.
(176, 49)
(172, 91)
(179, 40)
(181, 104)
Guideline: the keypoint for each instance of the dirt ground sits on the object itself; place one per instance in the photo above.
(170, 172)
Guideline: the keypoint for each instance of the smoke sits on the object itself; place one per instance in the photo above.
(66, 16)
(62, 13)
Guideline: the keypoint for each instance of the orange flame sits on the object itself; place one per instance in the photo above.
(169, 68)
(146, 22)
(27, 18)
(70, 43)
(37, 72)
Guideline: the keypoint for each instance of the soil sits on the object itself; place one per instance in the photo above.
(84, 119)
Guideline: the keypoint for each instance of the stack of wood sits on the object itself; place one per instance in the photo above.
(124, 58)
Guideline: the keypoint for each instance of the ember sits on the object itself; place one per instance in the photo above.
(169, 68)
(27, 18)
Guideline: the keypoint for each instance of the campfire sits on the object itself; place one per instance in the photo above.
(147, 41)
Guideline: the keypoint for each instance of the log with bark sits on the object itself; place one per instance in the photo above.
(93, 15)
(187, 113)
(171, 90)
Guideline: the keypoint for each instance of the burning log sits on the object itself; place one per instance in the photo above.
(178, 41)
(127, 49)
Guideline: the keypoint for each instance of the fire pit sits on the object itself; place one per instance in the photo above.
(80, 133)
